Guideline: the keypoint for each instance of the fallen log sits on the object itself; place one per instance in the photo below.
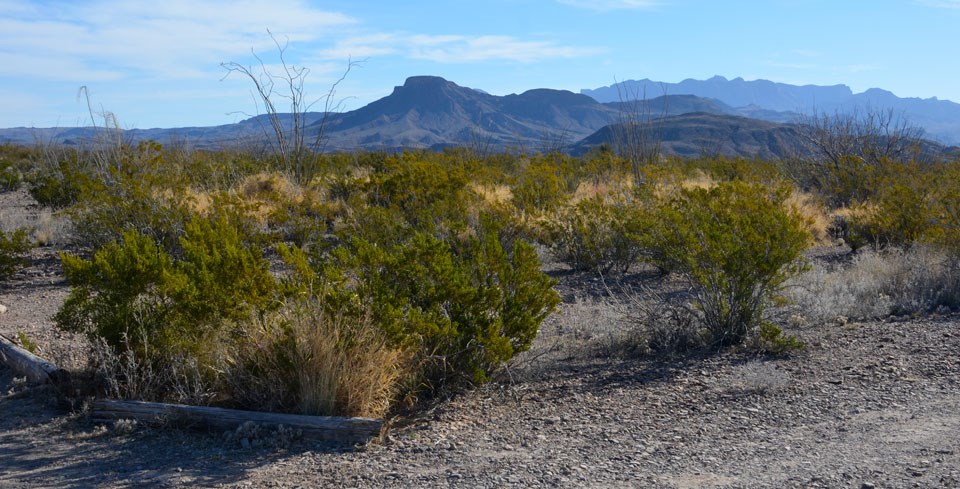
(34, 368)
(339, 430)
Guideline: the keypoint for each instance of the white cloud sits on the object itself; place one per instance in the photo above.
(170, 39)
(111, 40)
(607, 5)
(795, 66)
(363, 46)
(454, 48)
(805, 53)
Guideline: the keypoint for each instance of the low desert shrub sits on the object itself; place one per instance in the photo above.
(598, 234)
(10, 177)
(737, 244)
(540, 188)
(904, 208)
(14, 162)
(466, 306)
(13, 248)
(138, 298)
(58, 184)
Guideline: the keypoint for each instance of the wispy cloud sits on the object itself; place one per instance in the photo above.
(454, 48)
(607, 5)
(457, 49)
(110, 39)
(805, 53)
(795, 66)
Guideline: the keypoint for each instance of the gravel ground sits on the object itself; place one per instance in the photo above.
(873, 404)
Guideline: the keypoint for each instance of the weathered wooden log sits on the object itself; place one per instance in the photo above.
(27, 364)
(339, 430)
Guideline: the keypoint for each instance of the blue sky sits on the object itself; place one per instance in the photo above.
(157, 64)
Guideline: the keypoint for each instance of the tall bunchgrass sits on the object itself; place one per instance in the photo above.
(307, 359)
(347, 365)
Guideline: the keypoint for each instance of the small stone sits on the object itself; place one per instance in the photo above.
(867, 485)
(3, 308)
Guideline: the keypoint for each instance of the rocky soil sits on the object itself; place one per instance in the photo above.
(873, 404)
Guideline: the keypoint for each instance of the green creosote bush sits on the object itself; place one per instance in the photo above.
(465, 306)
(598, 234)
(13, 247)
(737, 244)
(771, 339)
(412, 286)
(903, 209)
(540, 188)
(133, 294)
(911, 204)
(59, 184)
(425, 195)
(10, 177)
(14, 162)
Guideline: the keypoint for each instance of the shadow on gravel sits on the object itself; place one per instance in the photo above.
(599, 375)
(43, 446)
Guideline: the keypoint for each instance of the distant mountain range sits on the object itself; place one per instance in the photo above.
(780, 102)
(734, 118)
(710, 134)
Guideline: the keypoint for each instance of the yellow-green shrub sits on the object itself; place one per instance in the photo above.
(13, 247)
(598, 234)
(737, 243)
(464, 305)
(909, 204)
(134, 295)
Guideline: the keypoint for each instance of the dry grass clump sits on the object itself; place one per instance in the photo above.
(131, 375)
(758, 377)
(880, 283)
(346, 364)
(492, 194)
(309, 360)
(44, 226)
(819, 220)
(610, 186)
(268, 194)
(699, 180)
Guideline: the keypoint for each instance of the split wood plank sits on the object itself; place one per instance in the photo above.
(341, 430)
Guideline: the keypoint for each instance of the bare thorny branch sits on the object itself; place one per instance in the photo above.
(870, 134)
(287, 132)
(639, 133)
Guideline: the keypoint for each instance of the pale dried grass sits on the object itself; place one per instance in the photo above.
(318, 363)
(347, 365)
(613, 186)
(877, 284)
(269, 192)
(493, 194)
(816, 217)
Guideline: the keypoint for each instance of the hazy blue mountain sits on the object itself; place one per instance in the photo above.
(430, 112)
(710, 134)
(781, 102)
